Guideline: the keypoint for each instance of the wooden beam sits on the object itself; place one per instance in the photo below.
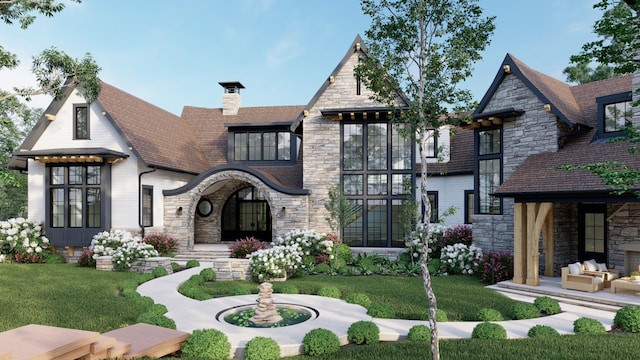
(533, 237)
(548, 240)
(519, 242)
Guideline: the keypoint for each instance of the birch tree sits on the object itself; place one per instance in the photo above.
(424, 49)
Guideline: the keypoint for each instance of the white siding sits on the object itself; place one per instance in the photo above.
(450, 193)
(36, 201)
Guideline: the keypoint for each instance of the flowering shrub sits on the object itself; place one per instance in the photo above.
(460, 259)
(496, 267)
(164, 244)
(243, 247)
(310, 242)
(276, 262)
(414, 243)
(23, 240)
(86, 259)
(122, 246)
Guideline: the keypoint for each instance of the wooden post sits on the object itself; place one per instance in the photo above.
(548, 240)
(519, 243)
(533, 238)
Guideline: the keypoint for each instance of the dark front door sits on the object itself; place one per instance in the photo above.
(246, 213)
(592, 241)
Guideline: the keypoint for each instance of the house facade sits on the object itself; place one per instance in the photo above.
(215, 175)
(526, 127)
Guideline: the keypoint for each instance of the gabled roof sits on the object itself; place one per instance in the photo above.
(460, 155)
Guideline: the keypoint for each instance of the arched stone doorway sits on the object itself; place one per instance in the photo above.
(246, 213)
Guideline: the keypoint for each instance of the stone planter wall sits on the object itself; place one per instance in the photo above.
(232, 269)
(141, 266)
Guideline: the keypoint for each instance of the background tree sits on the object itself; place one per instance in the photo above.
(54, 70)
(423, 49)
(16, 120)
(582, 73)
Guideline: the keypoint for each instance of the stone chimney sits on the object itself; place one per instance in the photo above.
(231, 99)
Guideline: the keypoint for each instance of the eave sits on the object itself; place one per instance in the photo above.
(68, 156)
(491, 118)
(367, 113)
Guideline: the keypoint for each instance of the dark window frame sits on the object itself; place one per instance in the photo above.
(485, 157)
(146, 213)
(433, 198)
(261, 130)
(469, 205)
(602, 102)
(77, 135)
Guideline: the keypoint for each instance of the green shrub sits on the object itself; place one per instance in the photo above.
(586, 325)
(320, 342)
(330, 291)
(628, 318)
(175, 266)
(192, 263)
(262, 348)
(206, 344)
(155, 319)
(487, 314)
(547, 305)
(363, 332)
(323, 268)
(420, 333)
(55, 259)
(522, 310)
(238, 290)
(143, 278)
(542, 331)
(129, 284)
(159, 272)
(342, 252)
(196, 279)
(157, 309)
(359, 299)
(284, 288)
(208, 274)
(441, 315)
(130, 293)
(193, 291)
(487, 330)
(144, 302)
(381, 310)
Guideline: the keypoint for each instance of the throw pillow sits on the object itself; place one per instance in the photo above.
(602, 267)
(590, 265)
(575, 269)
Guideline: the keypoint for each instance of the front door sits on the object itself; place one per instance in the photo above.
(246, 213)
(592, 241)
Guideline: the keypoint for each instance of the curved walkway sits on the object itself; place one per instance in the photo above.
(335, 315)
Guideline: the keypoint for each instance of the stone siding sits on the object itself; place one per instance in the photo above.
(232, 269)
(623, 229)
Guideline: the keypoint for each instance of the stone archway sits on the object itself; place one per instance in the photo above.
(290, 206)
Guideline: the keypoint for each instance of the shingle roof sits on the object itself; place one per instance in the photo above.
(460, 155)
(160, 138)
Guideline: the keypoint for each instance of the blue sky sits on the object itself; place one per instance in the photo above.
(173, 53)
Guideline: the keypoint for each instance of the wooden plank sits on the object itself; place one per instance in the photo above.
(549, 241)
(149, 340)
(42, 342)
(532, 246)
(100, 349)
(118, 350)
(5, 356)
(519, 239)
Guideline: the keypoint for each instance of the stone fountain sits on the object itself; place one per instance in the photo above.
(266, 310)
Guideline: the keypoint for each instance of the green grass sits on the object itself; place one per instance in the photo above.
(64, 295)
(461, 297)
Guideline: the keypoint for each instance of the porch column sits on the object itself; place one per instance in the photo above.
(548, 243)
(533, 237)
(519, 243)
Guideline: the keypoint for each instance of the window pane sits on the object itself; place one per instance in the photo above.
(284, 146)
(57, 207)
(400, 184)
(353, 185)
(377, 184)
(352, 147)
(400, 149)
(93, 208)
(489, 142)
(240, 146)
(433, 200)
(352, 232)
(255, 146)
(75, 175)
(469, 205)
(617, 116)
(431, 143)
(377, 146)
(82, 123)
(489, 180)
(147, 206)
(398, 235)
(75, 208)
(269, 147)
(57, 175)
(93, 175)
(377, 223)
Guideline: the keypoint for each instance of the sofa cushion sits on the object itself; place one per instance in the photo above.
(575, 269)
(602, 267)
(590, 265)
(597, 280)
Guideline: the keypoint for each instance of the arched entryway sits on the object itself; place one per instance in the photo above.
(246, 213)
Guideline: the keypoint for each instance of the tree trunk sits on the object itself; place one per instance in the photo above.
(424, 258)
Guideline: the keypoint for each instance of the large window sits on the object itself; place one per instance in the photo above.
(80, 122)
(377, 176)
(617, 116)
(76, 196)
(262, 146)
(489, 170)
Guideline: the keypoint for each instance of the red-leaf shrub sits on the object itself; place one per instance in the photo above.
(243, 247)
(164, 244)
(496, 267)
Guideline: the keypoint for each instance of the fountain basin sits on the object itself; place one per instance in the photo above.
(292, 314)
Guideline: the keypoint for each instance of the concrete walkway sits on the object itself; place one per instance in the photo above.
(333, 314)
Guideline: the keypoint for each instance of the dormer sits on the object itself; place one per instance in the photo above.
(615, 112)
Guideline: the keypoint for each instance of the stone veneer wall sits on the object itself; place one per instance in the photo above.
(623, 229)
(181, 226)
(208, 229)
(232, 269)
(533, 132)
